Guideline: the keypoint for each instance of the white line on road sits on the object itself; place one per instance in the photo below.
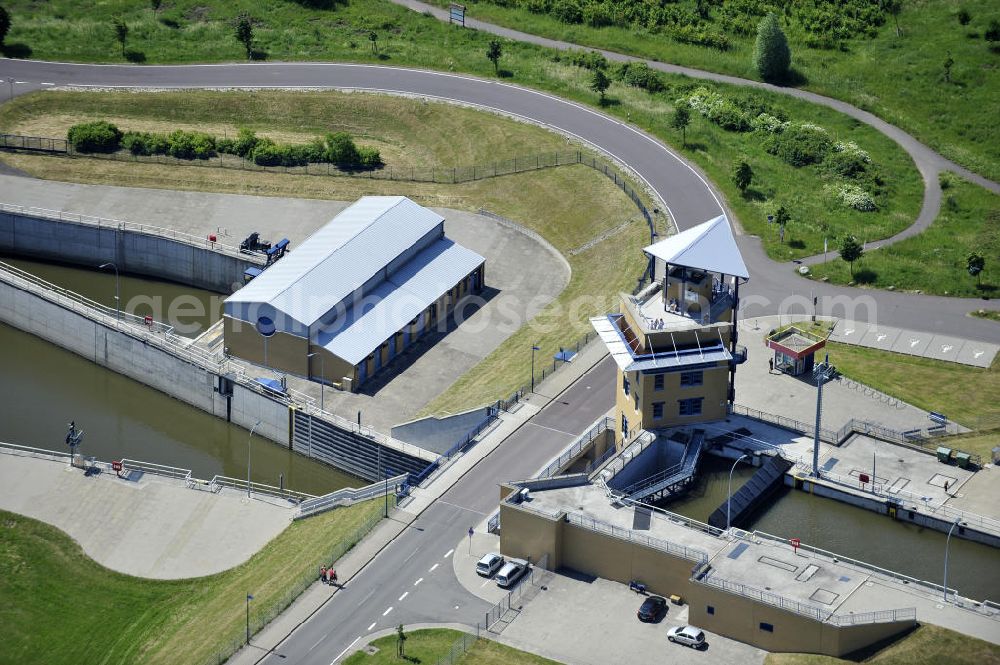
(455, 505)
(433, 567)
(405, 594)
(485, 583)
(345, 650)
(450, 552)
(417, 549)
(418, 581)
(373, 625)
(552, 429)
(317, 643)
(387, 611)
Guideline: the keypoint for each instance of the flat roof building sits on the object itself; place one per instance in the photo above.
(354, 295)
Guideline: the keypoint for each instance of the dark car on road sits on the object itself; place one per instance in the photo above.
(652, 609)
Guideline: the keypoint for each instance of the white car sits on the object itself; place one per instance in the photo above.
(512, 571)
(489, 564)
(687, 635)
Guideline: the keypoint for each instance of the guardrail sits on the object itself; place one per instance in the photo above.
(628, 453)
(577, 447)
(827, 435)
(120, 225)
(320, 504)
(880, 616)
(630, 535)
(29, 451)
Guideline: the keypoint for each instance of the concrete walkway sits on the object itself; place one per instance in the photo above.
(155, 527)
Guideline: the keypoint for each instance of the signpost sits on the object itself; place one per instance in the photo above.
(470, 539)
(456, 14)
(795, 544)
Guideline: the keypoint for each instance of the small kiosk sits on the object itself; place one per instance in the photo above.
(794, 349)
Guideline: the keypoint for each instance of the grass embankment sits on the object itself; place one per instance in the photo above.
(935, 260)
(899, 79)
(967, 395)
(291, 31)
(927, 645)
(568, 205)
(431, 645)
(59, 606)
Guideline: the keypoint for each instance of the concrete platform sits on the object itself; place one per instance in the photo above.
(926, 345)
(155, 528)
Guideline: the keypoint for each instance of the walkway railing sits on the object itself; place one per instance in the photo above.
(577, 447)
(630, 452)
(320, 504)
(827, 435)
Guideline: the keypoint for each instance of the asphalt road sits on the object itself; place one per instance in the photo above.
(689, 197)
(412, 580)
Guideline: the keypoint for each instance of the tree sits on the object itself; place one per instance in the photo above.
(680, 120)
(493, 53)
(893, 7)
(373, 38)
(851, 250)
(964, 16)
(992, 33)
(771, 55)
(155, 6)
(121, 32)
(949, 62)
(600, 83)
(742, 175)
(781, 218)
(243, 28)
(975, 264)
(4, 25)
(400, 642)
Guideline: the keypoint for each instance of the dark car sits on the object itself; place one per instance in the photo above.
(652, 609)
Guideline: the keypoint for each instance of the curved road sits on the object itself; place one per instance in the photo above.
(688, 196)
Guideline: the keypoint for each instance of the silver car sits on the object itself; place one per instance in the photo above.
(512, 571)
(687, 635)
(489, 564)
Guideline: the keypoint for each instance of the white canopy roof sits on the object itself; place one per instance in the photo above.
(709, 246)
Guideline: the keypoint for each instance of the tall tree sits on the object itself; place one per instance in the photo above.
(680, 120)
(851, 250)
(243, 28)
(4, 24)
(893, 7)
(121, 32)
(373, 38)
(771, 55)
(742, 175)
(781, 218)
(600, 83)
(975, 265)
(949, 62)
(493, 53)
(400, 642)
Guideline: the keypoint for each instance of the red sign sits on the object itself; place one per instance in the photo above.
(116, 466)
(211, 237)
(863, 477)
(148, 320)
(795, 543)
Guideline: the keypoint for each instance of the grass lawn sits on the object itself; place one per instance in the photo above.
(59, 606)
(927, 645)
(63, 30)
(899, 79)
(431, 645)
(935, 260)
(967, 395)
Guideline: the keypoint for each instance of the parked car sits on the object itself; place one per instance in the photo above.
(653, 608)
(489, 564)
(687, 635)
(511, 572)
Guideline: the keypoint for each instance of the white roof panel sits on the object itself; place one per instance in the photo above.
(612, 339)
(396, 302)
(709, 246)
(340, 257)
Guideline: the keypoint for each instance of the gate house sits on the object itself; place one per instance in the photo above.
(354, 295)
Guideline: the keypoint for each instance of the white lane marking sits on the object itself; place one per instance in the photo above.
(373, 625)
(46, 83)
(552, 429)
(485, 583)
(450, 552)
(345, 650)
(411, 555)
(317, 643)
(418, 581)
(405, 594)
(455, 505)
(387, 611)
(433, 567)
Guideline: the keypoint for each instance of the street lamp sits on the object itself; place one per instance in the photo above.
(248, 455)
(322, 377)
(249, 598)
(534, 347)
(729, 500)
(947, 541)
(118, 309)
(387, 472)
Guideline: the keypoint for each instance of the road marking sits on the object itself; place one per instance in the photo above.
(418, 581)
(411, 555)
(387, 611)
(373, 625)
(485, 583)
(552, 429)
(345, 650)
(450, 552)
(433, 567)
(405, 594)
(317, 643)
(45, 83)
(455, 505)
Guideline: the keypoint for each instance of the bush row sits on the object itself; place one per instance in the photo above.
(335, 148)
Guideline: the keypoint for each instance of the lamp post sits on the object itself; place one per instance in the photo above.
(248, 455)
(249, 598)
(387, 471)
(729, 500)
(947, 541)
(534, 347)
(118, 309)
(322, 378)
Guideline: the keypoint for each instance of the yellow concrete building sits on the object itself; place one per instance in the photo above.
(675, 342)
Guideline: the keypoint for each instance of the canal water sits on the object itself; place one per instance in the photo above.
(973, 569)
(43, 387)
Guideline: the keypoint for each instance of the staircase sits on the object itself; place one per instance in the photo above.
(766, 480)
(673, 480)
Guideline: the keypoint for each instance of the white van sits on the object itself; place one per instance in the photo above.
(512, 571)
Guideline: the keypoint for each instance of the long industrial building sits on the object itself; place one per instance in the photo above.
(354, 295)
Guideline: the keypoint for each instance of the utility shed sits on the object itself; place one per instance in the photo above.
(354, 295)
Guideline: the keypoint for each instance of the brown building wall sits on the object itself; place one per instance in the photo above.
(529, 535)
(284, 352)
(331, 367)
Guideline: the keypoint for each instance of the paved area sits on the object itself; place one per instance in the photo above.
(979, 494)
(914, 343)
(155, 527)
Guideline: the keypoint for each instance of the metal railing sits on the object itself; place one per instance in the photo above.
(120, 225)
(827, 435)
(628, 453)
(879, 616)
(30, 451)
(577, 447)
(624, 533)
(347, 495)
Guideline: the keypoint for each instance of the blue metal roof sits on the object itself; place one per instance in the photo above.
(677, 360)
(397, 301)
